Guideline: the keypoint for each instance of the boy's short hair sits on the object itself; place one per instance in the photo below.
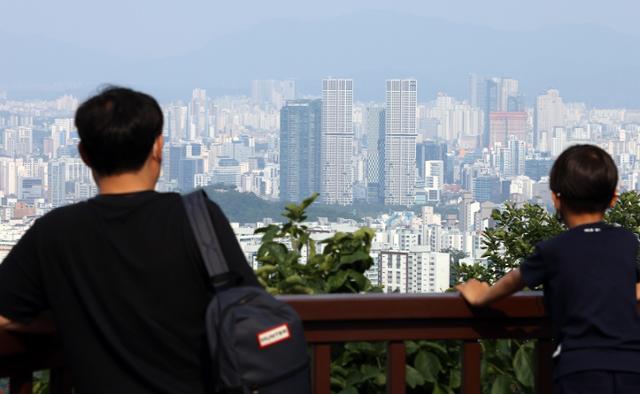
(585, 178)
(117, 129)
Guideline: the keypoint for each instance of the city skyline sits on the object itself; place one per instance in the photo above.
(282, 147)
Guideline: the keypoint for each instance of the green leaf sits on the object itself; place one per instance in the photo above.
(504, 384)
(523, 365)
(349, 390)
(357, 256)
(369, 372)
(361, 347)
(503, 349)
(411, 347)
(434, 346)
(455, 378)
(441, 389)
(336, 281)
(428, 364)
(413, 377)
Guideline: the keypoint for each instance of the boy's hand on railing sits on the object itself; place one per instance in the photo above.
(474, 291)
(481, 294)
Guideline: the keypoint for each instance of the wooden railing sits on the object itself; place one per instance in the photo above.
(330, 319)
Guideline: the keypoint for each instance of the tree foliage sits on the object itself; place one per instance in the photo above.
(339, 268)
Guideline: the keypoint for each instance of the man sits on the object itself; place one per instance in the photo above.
(121, 272)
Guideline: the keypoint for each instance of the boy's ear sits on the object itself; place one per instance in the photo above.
(614, 200)
(556, 200)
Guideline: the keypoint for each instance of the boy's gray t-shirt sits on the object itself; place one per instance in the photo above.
(589, 274)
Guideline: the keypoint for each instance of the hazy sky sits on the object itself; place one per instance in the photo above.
(143, 28)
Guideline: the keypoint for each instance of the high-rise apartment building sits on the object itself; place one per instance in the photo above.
(187, 170)
(198, 115)
(490, 104)
(400, 142)
(300, 148)
(499, 95)
(375, 125)
(503, 125)
(550, 112)
(430, 150)
(176, 116)
(511, 161)
(429, 272)
(274, 92)
(57, 183)
(337, 142)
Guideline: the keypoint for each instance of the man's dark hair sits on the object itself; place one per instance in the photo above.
(117, 129)
(584, 177)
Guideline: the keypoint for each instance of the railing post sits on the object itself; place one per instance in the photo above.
(396, 370)
(471, 359)
(21, 383)
(321, 379)
(544, 377)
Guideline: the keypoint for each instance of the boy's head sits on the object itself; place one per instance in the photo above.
(118, 129)
(584, 179)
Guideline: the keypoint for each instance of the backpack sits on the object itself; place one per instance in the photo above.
(256, 342)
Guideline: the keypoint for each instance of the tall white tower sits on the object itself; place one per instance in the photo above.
(337, 141)
(550, 113)
(400, 142)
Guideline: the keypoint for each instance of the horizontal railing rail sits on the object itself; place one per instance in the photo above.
(337, 318)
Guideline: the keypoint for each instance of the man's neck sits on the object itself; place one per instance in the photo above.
(125, 183)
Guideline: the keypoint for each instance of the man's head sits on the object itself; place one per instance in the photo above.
(584, 180)
(119, 130)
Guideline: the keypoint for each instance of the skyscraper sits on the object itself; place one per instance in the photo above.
(400, 142)
(57, 183)
(300, 136)
(500, 95)
(176, 122)
(430, 150)
(273, 92)
(375, 153)
(337, 141)
(187, 170)
(511, 161)
(490, 105)
(198, 127)
(550, 113)
(502, 125)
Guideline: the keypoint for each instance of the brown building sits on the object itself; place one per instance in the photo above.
(504, 124)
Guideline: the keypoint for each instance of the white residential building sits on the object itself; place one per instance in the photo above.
(400, 142)
(337, 142)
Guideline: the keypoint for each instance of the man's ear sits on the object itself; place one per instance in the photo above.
(156, 151)
(83, 154)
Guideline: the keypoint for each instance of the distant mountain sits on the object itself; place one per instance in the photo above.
(42, 67)
(586, 62)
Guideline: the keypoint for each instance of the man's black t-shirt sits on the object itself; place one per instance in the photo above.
(127, 287)
(589, 275)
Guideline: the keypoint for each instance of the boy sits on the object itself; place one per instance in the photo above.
(121, 272)
(590, 280)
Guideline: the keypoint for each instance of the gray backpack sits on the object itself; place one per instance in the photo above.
(256, 342)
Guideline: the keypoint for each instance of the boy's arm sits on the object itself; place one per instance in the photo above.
(638, 291)
(481, 294)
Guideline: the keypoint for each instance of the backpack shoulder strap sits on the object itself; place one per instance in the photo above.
(200, 220)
